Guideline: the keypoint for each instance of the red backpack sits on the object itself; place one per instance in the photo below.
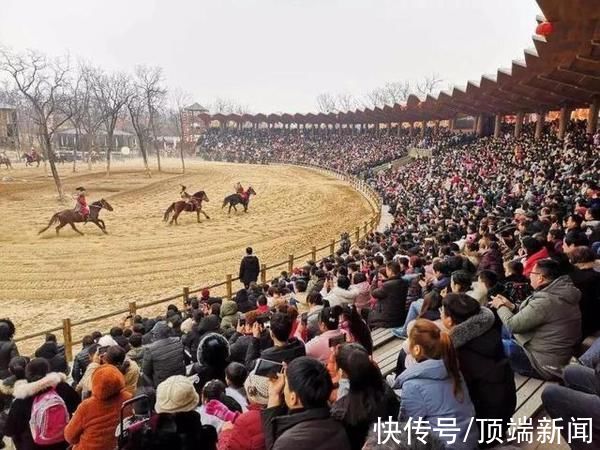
(49, 417)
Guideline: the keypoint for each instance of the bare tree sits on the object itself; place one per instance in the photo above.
(140, 120)
(396, 92)
(374, 98)
(429, 85)
(111, 92)
(45, 84)
(176, 118)
(149, 82)
(79, 105)
(326, 103)
(222, 106)
(345, 102)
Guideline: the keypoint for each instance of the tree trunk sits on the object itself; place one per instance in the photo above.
(50, 157)
(144, 157)
(153, 129)
(109, 148)
(182, 159)
(181, 141)
(76, 148)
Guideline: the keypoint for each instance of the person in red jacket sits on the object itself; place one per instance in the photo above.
(246, 432)
(81, 205)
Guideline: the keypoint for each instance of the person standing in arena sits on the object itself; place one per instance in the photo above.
(249, 268)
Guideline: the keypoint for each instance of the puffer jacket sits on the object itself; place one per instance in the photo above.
(17, 423)
(339, 297)
(390, 310)
(8, 350)
(427, 393)
(229, 316)
(93, 425)
(80, 363)
(163, 358)
(213, 358)
(492, 260)
(547, 324)
(362, 294)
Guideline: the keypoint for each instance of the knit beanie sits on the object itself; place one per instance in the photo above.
(257, 389)
(176, 394)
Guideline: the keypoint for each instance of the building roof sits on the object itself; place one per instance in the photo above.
(117, 132)
(196, 107)
(561, 69)
(6, 106)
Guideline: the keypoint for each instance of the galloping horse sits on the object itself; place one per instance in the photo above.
(31, 158)
(238, 199)
(195, 204)
(69, 216)
(4, 160)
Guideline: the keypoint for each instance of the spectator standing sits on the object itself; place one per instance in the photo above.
(249, 268)
(164, 357)
(8, 348)
(82, 359)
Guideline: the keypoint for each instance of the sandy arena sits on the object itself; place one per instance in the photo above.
(47, 278)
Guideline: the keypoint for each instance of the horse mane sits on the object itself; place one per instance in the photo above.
(199, 194)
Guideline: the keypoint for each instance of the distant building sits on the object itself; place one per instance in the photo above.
(8, 126)
(195, 120)
(65, 141)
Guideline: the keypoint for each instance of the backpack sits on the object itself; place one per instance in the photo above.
(49, 417)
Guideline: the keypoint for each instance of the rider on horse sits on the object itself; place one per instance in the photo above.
(239, 190)
(81, 205)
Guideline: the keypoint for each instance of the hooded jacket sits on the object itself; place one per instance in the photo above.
(208, 324)
(164, 357)
(93, 425)
(229, 315)
(427, 393)
(339, 296)
(362, 292)
(17, 423)
(390, 310)
(213, 358)
(249, 269)
(547, 325)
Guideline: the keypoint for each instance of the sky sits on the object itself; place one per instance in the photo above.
(279, 55)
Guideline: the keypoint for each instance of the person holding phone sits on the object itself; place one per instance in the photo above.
(320, 346)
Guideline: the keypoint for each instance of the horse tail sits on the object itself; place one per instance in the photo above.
(225, 201)
(52, 221)
(168, 212)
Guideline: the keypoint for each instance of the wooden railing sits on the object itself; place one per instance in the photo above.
(133, 308)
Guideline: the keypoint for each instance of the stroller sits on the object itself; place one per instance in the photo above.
(132, 429)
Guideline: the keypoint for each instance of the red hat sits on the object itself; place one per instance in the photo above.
(205, 293)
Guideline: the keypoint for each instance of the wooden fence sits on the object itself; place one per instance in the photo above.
(360, 231)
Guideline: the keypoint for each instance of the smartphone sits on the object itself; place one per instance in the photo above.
(266, 368)
(242, 322)
(335, 341)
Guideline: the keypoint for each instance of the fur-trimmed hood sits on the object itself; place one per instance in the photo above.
(473, 327)
(26, 390)
(8, 388)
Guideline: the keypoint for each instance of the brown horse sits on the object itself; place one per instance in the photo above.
(4, 160)
(238, 199)
(70, 216)
(195, 204)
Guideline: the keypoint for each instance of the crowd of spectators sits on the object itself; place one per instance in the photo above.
(489, 268)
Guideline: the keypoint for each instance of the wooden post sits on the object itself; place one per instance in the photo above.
(357, 234)
(366, 228)
(313, 253)
(186, 296)
(68, 339)
(263, 273)
(290, 264)
(332, 247)
(229, 287)
(132, 309)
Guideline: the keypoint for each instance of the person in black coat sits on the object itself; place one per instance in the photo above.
(249, 268)
(213, 358)
(243, 301)
(8, 349)
(40, 379)
(164, 357)
(476, 336)
(390, 310)
(587, 280)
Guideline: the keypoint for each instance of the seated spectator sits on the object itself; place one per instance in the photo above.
(546, 327)
(297, 415)
(587, 280)
(363, 395)
(117, 334)
(205, 297)
(242, 338)
(262, 306)
(433, 389)
(361, 289)
(54, 354)
(329, 322)
(136, 353)
(356, 328)
(177, 425)
(485, 368)
(341, 294)
(315, 306)
(555, 240)
(491, 258)
(116, 356)
(164, 357)
(534, 251)
(489, 285)
(82, 359)
(390, 309)
(235, 377)
(39, 381)
(516, 285)
(8, 348)
(243, 301)
(212, 410)
(284, 349)
(579, 397)
(85, 384)
(229, 317)
(246, 432)
(213, 358)
(574, 239)
(204, 323)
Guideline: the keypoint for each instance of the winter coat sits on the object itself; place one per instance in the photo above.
(213, 358)
(390, 310)
(93, 425)
(487, 371)
(339, 297)
(179, 431)
(136, 354)
(132, 376)
(229, 315)
(246, 434)
(163, 359)
(312, 429)
(492, 260)
(318, 347)
(8, 350)
(531, 261)
(55, 356)
(239, 343)
(208, 324)
(292, 349)
(243, 301)
(17, 423)
(362, 294)
(428, 393)
(249, 269)
(312, 321)
(588, 282)
(547, 324)
(80, 363)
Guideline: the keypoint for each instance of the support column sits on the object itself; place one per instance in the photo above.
(563, 119)
(539, 125)
(423, 127)
(497, 125)
(436, 127)
(451, 124)
(399, 129)
(389, 128)
(479, 129)
(519, 124)
(592, 119)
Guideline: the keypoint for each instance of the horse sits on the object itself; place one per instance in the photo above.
(31, 158)
(237, 199)
(195, 204)
(70, 216)
(4, 160)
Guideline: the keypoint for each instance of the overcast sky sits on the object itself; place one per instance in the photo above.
(278, 55)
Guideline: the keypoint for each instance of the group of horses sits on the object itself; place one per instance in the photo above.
(193, 204)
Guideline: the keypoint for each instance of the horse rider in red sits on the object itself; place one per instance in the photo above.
(81, 205)
(239, 189)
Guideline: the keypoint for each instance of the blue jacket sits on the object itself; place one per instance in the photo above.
(427, 393)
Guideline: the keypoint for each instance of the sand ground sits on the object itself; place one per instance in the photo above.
(45, 278)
